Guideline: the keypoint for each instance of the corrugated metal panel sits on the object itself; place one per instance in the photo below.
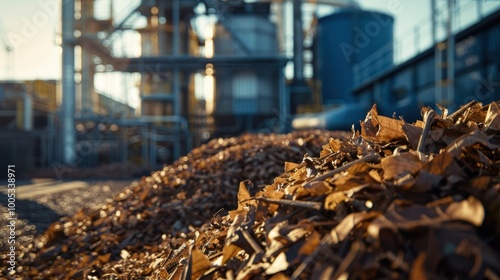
(493, 43)
(467, 53)
(474, 79)
(468, 85)
(426, 96)
(425, 72)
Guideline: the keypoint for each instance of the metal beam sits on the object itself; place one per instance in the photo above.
(298, 38)
(87, 81)
(27, 112)
(284, 102)
(176, 52)
(450, 56)
(68, 83)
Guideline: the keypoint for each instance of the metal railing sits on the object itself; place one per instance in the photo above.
(419, 39)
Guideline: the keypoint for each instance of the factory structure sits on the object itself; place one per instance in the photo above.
(211, 68)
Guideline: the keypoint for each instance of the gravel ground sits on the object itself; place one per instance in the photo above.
(34, 215)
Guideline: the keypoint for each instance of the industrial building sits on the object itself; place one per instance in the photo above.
(213, 68)
(460, 64)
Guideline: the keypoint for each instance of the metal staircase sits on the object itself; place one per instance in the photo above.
(125, 23)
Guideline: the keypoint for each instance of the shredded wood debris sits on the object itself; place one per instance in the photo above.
(394, 201)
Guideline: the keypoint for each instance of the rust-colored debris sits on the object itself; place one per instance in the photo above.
(164, 207)
(397, 200)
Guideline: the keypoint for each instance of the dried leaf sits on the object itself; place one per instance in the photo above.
(398, 166)
(334, 199)
(314, 189)
(382, 129)
(289, 166)
(200, 263)
(418, 268)
(470, 210)
(279, 276)
(375, 205)
(124, 254)
(229, 252)
(312, 242)
(279, 264)
(492, 119)
(340, 232)
(413, 133)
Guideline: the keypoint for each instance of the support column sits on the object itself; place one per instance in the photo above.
(27, 112)
(298, 39)
(161, 28)
(68, 136)
(450, 44)
(284, 102)
(176, 77)
(87, 82)
(300, 93)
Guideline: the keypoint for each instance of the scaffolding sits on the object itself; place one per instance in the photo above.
(174, 50)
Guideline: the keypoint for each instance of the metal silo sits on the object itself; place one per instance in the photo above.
(245, 93)
(344, 39)
(245, 34)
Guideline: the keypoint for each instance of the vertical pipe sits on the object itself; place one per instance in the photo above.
(161, 28)
(479, 9)
(124, 139)
(175, 21)
(450, 55)
(417, 40)
(176, 76)
(144, 147)
(177, 141)
(437, 53)
(298, 59)
(87, 82)
(68, 83)
(176, 52)
(27, 112)
(280, 22)
(50, 141)
(152, 148)
(284, 102)
(434, 22)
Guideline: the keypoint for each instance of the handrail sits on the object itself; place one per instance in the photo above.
(402, 54)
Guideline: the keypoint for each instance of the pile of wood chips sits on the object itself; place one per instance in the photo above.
(166, 207)
(396, 200)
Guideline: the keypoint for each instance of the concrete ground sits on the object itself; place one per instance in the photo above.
(40, 202)
(31, 188)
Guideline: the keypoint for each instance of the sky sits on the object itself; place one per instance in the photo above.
(32, 28)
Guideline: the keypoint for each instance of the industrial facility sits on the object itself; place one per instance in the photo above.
(213, 68)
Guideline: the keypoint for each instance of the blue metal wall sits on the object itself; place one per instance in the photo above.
(344, 39)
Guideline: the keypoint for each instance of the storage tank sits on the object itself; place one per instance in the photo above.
(245, 94)
(257, 33)
(344, 39)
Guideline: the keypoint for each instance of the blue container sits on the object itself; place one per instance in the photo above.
(344, 39)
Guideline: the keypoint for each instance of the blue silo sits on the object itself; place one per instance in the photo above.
(342, 40)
